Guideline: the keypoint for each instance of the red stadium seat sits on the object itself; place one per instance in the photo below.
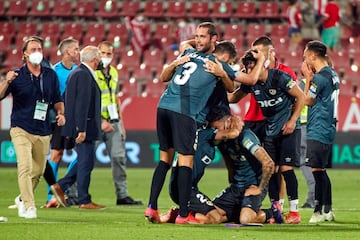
(5, 42)
(268, 10)
(95, 28)
(108, 9)
(130, 59)
(284, 5)
(153, 59)
(8, 28)
(62, 9)
(129, 88)
(340, 59)
(90, 39)
(142, 74)
(154, 9)
(84, 9)
(221, 10)
(154, 88)
(17, 8)
(25, 30)
(13, 59)
(163, 30)
(233, 31)
(245, 10)
(199, 10)
(118, 35)
(51, 43)
(2, 8)
(129, 8)
(176, 9)
(40, 8)
(254, 30)
(52, 29)
(279, 30)
(73, 29)
(124, 74)
(54, 57)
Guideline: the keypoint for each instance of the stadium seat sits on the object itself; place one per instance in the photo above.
(199, 10)
(154, 9)
(5, 42)
(221, 10)
(73, 29)
(163, 30)
(129, 8)
(2, 8)
(40, 8)
(108, 9)
(13, 59)
(340, 59)
(176, 9)
(279, 30)
(153, 59)
(130, 59)
(90, 39)
(25, 30)
(268, 10)
(294, 61)
(142, 74)
(354, 44)
(52, 29)
(118, 34)
(254, 30)
(62, 9)
(153, 88)
(233, 31)
(54, 56)
(283, 6)
(129, 88)
(124, 74)
(95, 28)
(245, 10)
(7, 28)
(17, 8)
(351, 73)
(347, 88)
(51, 43)
(84, 9)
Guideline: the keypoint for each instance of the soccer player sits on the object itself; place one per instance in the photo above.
(322, 93)
(186, 95)
(281, 101)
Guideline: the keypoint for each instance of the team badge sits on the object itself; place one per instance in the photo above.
(272, 91)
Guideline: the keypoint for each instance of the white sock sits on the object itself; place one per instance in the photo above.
(294, 205)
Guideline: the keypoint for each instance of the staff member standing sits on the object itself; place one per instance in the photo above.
(35, 89)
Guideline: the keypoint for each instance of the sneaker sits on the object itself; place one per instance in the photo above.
(30, 212)
(20, 206)
(53, 203)
(316, 218)
(276, 208)
(330, 216)
(189, 219)
(152, 215)
(292, 218)
(128, 201)
(170, 216)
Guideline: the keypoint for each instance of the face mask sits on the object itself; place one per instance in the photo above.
(106, 61)
(35, 58)
(100, 66)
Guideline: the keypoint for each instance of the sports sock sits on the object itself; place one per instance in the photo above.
(318, 175)
(291, 184)
(327, 193)
(268, 213)
(54, 168)
(274, 188)
(184, 187)
(157, 183)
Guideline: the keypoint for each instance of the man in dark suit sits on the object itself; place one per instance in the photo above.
(83, 111)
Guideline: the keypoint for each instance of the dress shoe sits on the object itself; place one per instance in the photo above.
(59, 194)
(128, 201)
(91, 206)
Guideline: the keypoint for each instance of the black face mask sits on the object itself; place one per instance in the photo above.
(100, 66)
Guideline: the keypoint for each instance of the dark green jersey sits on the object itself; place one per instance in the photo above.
(322, 116)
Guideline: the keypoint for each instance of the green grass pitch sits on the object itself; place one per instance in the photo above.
(124, 222)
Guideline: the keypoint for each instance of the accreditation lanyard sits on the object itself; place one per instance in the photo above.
(41, 106)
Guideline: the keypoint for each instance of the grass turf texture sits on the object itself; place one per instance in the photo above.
(127, 222)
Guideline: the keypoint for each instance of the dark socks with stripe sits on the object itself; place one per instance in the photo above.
(157, 183)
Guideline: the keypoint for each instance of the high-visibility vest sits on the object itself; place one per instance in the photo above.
(108, 90)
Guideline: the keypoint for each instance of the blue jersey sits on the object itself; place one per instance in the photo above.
(273, 99)
(62, 72)
(322, 116)
(190, 86)
(240, 151)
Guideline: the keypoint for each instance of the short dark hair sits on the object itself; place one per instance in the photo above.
(216, 113)
(248, 58)
(318, 48)
(263, 40)
(226, 47)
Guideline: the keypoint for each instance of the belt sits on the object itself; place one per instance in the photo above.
(113, 120)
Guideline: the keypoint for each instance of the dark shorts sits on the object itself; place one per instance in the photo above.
(258, 127)
(318, 154)
(59, 142)
(284, 149)
(176, 131)
(232, 200)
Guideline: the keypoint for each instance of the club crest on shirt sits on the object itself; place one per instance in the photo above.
(272, 91)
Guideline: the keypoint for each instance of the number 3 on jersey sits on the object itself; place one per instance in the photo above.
(188, 69)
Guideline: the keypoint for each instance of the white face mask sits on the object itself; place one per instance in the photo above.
(35, 58)
(106, 61)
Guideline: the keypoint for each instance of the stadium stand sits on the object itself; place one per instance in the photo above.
(108, 9)
(154, 9)
(129, 8)
(268, 10)
(176, 9)
(199, 10)
(40, 8)
(62, 9)
(84, 9)
(245, 10)
(221, 10)
(17, 8)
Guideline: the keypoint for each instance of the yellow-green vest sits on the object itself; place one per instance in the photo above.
(106, 99)
(304, 111)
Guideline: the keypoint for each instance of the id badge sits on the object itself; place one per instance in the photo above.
(113, 111)
(40, 111)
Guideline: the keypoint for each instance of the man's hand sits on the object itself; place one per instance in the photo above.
(252, 191)
(106, 126)
(80, 138)
(215, 68)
